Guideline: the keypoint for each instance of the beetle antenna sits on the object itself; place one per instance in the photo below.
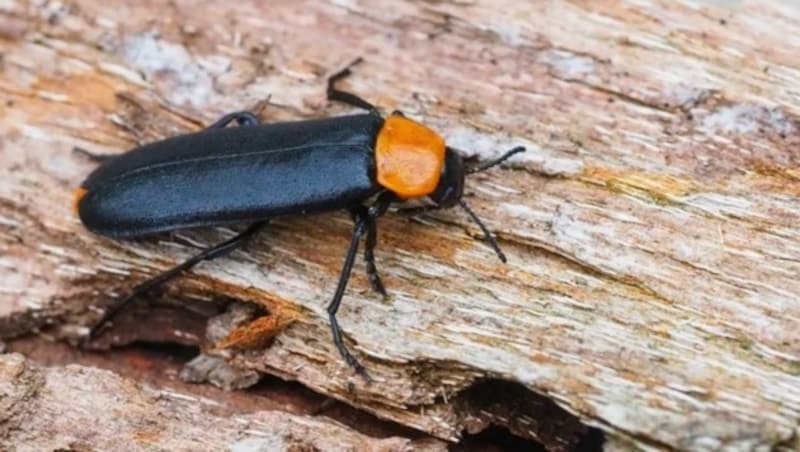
(492, 163)
(489, 237)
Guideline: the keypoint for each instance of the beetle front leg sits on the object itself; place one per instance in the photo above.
(365, 223)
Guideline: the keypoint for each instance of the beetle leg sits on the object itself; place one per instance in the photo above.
(369, 258)
(244, 118)
(360, 227)
(381, 204)
(208, 254)
(413, 211)
(93, 156)
(373, 213)
(344, 96)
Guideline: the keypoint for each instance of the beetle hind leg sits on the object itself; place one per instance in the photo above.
(93, 156)
(244, 118)
(378, 208)
(208, 254)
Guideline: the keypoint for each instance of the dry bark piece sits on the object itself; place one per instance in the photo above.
(81, 408)
(256, 333)
(218, 371)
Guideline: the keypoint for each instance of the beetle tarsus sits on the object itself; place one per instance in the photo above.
(346, 355)
(208, 254)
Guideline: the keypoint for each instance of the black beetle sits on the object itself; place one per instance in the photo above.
(255, 172)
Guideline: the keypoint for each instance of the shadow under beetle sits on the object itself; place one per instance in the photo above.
(254, 172)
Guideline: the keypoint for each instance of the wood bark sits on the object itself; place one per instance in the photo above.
(59, 408)
(652, 227)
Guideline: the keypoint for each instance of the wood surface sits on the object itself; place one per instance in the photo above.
(56, 408)
(652, 228)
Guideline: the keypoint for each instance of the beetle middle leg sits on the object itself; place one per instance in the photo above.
(372, 214)
(208, 254)
(369, 258)
(344, 96)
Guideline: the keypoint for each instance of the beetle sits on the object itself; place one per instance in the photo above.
(362, 163)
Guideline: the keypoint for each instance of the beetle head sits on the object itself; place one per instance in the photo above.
(451, 184)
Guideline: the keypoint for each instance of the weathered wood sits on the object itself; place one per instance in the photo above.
(652, 228)
(82, 408)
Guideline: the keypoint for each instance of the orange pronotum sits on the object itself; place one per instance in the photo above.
(409, 157)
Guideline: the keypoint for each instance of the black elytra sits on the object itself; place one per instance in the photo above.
(252, 173)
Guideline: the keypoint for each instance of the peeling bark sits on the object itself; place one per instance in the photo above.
(652, 228)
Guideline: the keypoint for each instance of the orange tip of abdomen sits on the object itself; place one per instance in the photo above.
(77, 195)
